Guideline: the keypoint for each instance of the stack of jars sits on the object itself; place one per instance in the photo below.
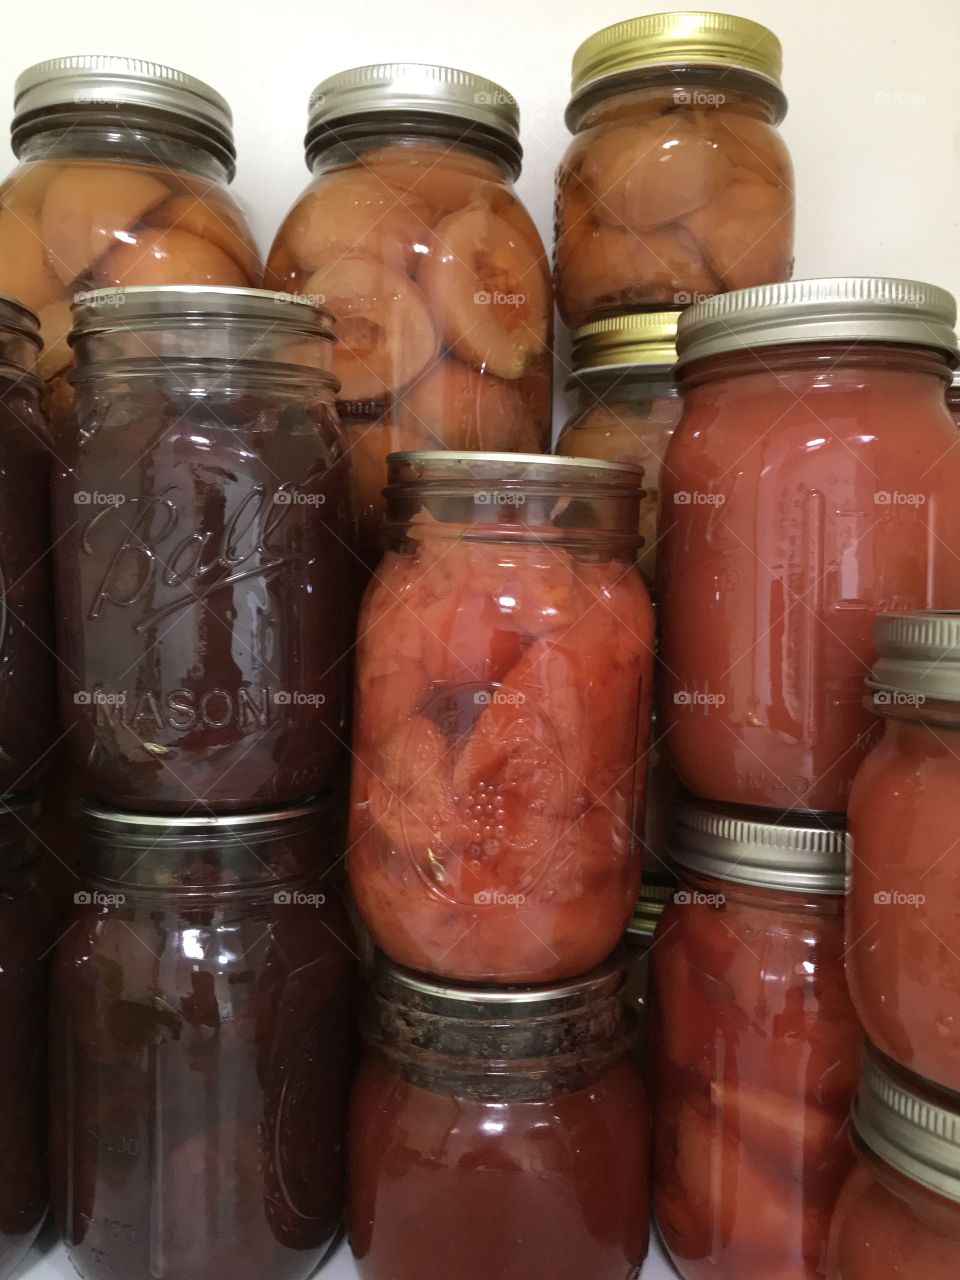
(794, 511)
(201, 996)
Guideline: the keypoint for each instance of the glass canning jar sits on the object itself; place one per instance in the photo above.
(677, 184)
(498, 1133)
(898, 1216)
(504, 659)
(26, 933)
(203, 550)
(902, 965)
(123, 176)
(626, 404)
(202, 1013)
(756, 1046)
(28, 723)
(795, 507)
(411, 233)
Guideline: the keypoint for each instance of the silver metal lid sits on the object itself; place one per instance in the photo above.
(918, 655)
(849, 309)
(94, 82)
(915, 1132)
(550, 467)
(725, 843)
(130, 305)
(248, 825)
(412, 88)
(448, 997)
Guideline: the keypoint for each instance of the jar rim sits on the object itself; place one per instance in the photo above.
(100, 819)
(123, 306)
(459, 999)
(797, 854)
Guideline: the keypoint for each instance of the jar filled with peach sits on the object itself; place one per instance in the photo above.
(123, 176)
(626, 404)
(677, 184)
(412, 234)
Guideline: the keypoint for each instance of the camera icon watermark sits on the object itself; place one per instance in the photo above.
(297, 898)
(95, 898)
(98, 698)
(698, 698)
(698, 498)
(499, 498)
(495, 898)
(94, 498)
(696, 898)
(296, 498)
(499, 698)
(894, 898)
(898, 698)
(296, 698)
(897, 498)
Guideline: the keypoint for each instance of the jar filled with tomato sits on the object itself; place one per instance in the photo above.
(504, 662)
(899, 1213)
(498, 1132)
(756, 1046)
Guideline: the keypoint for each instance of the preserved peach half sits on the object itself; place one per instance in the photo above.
(384, 329)
(168, 257)
(447, 178)
(456, 407)
(643, 176)
(355, 212)
(745, 233)
(88, 207)
(485, 283)
(213, 223)
(25, 188)
(24, 273)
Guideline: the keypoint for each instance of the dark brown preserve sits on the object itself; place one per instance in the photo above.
(202, 1014)
(27, 664)
(25, 938)
(203, 550)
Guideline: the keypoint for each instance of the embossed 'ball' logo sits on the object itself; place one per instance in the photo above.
(485, 825)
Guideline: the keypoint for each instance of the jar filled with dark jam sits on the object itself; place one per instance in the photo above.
(498, 1132)
(202, 1009)
(26, 933)
(27, 665)
(203, 550)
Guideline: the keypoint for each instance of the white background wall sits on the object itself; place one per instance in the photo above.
(873, 87)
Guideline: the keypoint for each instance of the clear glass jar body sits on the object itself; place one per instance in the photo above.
(902, 968)
(626, 415)
(440, 286)
(757, 1054)
(205, 580)
(953, 400)
(202, 1013)
(887, 1227)
(502, 704)
(91, 205)
(462, 1170)
(795, 508)
(28, 720)
(672, 190)
(26, 933)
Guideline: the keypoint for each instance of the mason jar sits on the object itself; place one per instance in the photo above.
(498, 1132)
(203, 550)
(28, 717)
(677, 184)
(795, 508)
(504, 659)
(412, 234)
(902, 965)
(756, 1045)
(626, 404)
(202, 1013)
(899, 1213)
(123, 175)
(26, 935)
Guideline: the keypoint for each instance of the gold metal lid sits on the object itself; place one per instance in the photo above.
(653, 897)
(96, 82)
(685, 39)
(723, 842)
(638, 338)
(918, 656)
(127, 306)
(412, 88)
(849, 309)
(915, 1132)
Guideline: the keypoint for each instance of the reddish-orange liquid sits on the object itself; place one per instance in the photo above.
(888, 1228)
(466, 1189)
(902, 961)
(757, 1054)
(803, 493)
